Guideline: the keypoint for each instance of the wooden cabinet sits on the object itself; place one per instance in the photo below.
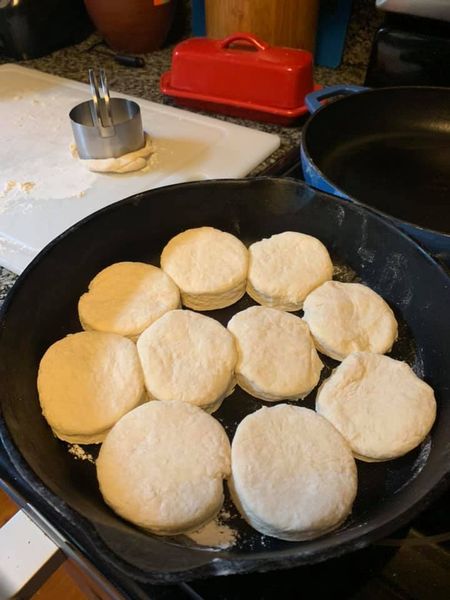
(291, 23)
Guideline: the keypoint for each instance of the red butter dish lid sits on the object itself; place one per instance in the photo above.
(240, 75)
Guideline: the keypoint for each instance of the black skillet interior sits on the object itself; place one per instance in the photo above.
(389, 149)
(43, 308)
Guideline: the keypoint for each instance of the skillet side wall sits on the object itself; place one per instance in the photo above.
(43, 308)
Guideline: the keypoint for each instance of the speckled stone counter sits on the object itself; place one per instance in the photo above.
(73, 62)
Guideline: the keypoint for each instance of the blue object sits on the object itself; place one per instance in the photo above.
(312, 174)
(315, 178)
(198, 18)
(312, 100)
(334, 16)
(435, 241)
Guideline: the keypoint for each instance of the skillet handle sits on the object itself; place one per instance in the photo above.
(313, 99)
(27, 557)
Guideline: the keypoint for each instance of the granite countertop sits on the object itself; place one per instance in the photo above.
(73, 62)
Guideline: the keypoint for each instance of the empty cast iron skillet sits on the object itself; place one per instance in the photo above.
(388, 149)
(42, 307)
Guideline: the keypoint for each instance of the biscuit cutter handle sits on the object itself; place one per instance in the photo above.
(101, 105)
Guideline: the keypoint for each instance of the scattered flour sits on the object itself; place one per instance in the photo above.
(419, 463)
(80, 453)
(53, 172)
(216, 533)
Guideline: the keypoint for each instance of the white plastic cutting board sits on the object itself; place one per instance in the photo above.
(44, 190)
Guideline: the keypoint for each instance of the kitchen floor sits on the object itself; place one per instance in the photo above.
(61, 584)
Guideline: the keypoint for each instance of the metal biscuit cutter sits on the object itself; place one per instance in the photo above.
(106, 127)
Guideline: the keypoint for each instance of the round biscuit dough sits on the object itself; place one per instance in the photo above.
(277, 359)
(188, 357)
(285, 268)
(208, 265)
(86, 382)
(378, 404)
(162, 467)
(349, 317)
(126, 298)
(293, 474)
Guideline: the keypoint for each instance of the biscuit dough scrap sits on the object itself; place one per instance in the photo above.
(127, 163)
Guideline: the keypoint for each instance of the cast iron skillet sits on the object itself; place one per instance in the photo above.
(388, 149)
(42, 307)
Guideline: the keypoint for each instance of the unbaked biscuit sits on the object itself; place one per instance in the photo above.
(285, 268)
(349, 317)
(208, 265)
(162, 467)
(277, 359)
(293, 474)
(188, 357)
(126, 298)
(378, 404)
(86, 382)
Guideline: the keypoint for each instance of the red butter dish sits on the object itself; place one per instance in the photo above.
(241, 76)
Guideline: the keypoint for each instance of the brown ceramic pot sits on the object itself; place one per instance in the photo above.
(132, 25)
